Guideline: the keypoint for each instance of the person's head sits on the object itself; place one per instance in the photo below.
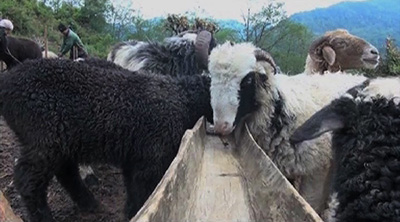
(63, 29)
(7, 25)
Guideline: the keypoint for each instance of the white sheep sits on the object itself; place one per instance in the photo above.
(338, 50)
(243, 86)
(50, 54)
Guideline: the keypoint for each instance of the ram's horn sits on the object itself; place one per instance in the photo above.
(202, 47)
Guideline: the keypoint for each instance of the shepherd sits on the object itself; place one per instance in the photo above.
(72, 43)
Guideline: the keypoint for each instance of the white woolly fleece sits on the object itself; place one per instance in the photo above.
(385, 87)
(125, 52)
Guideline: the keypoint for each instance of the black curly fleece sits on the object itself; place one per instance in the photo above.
(367, 161)
(66, 113)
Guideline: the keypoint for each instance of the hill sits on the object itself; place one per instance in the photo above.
(373, 20)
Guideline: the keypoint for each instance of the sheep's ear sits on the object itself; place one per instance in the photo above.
(329, 55)
(263, 56)
(202, 46)
(316, 47)
(323, 121)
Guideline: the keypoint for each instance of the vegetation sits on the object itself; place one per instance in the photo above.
(101, 24)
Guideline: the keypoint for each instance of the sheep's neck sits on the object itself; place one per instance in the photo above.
(199, 101)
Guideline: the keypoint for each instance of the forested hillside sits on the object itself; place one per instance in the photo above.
(373, 20)
(101, 24)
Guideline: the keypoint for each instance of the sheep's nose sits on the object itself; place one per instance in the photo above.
(374, 51)
(222, 128)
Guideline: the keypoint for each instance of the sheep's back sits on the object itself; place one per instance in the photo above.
(74, 104)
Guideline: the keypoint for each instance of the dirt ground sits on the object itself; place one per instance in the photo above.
(109, 190)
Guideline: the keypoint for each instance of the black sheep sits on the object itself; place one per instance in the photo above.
(67, 113)
(14, 51)
(366, 147)
(186, 54)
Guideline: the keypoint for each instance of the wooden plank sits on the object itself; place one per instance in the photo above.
(6, 213)
(271, 195)
(170, 200)
(220, 194)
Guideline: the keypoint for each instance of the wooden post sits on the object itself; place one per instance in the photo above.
(75, 52)
(45, 42)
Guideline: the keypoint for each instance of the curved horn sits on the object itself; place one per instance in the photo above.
(315, 50)
(262, 55)
(202, 46)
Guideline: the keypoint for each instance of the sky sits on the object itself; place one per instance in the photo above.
(220, 9)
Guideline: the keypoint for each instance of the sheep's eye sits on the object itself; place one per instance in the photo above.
(247, 81)
(340, 43)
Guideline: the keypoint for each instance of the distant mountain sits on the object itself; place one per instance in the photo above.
(372, 20)
(230, 24)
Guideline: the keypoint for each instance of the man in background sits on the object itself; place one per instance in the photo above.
(71, 43)
(6, 25)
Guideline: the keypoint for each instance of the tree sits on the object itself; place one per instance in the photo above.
(258, 25)
(289, 43)
(92, 14)
(120, 18)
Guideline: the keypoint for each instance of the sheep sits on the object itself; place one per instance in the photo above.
(339, 50)
(186, 54)
(14, 51)
(50, 54)
(365, 144)
(243, 87)
(67, 113)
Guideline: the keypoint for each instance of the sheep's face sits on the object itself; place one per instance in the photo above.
(236, 73)
(340, 51)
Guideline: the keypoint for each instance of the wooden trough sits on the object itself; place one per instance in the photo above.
(210, 182)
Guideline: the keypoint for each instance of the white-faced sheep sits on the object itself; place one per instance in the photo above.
(186, 54)
(14, 51)
(366, 150)
(67, 113)
(339, 50)
(243, 86)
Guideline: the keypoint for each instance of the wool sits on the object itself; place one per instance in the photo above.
(67, 113)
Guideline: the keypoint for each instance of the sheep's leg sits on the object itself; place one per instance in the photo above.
(32, 175)
(69, 177)
(139, 184)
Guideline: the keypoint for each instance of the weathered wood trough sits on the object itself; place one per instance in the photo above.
(210, 182)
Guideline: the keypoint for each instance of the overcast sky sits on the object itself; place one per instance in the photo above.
(220, 9)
